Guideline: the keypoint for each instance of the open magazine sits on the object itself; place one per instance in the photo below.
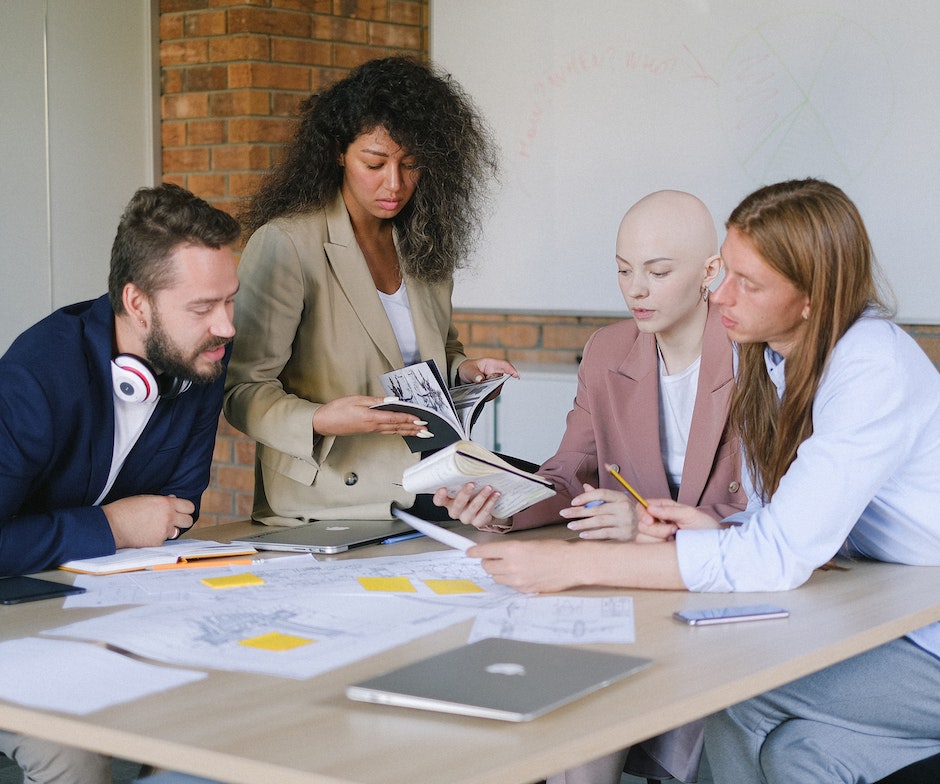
(450, 413)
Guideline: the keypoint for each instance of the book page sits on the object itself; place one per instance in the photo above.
(469, 397)
(422, 385)
(451, 469)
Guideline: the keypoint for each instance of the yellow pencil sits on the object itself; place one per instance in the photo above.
(614, 473)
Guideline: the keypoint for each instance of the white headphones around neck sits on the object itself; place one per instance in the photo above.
(136, 382)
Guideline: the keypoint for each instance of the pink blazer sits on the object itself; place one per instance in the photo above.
(615, 419)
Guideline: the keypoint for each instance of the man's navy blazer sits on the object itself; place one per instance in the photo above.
(57, 438)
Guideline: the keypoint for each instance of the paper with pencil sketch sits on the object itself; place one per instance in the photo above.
(442, 535)
(420, 390)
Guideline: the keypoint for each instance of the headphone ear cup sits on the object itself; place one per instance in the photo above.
(133, 379)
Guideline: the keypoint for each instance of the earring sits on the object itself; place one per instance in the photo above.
(705, 293)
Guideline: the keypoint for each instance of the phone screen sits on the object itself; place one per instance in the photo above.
(754, 612)
(14, 590)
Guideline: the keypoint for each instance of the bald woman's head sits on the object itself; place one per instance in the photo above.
(667, 258)
(670, 223)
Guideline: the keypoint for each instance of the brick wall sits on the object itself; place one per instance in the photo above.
(232, 75)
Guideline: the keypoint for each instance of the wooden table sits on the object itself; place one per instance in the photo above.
(241, 728)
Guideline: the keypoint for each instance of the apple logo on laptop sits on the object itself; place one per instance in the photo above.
(337, 528)
(505, 668)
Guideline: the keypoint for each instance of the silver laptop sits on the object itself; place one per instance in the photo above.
(326, 536)
(497, 678)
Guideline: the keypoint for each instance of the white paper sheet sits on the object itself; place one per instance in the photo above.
(75, 677)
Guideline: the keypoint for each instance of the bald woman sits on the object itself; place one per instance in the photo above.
(653, 398)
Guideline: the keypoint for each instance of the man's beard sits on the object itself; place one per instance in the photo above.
(166, 357)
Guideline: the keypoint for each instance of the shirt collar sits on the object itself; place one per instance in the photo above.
(776, 364)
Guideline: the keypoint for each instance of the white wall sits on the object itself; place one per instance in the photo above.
(78, 131)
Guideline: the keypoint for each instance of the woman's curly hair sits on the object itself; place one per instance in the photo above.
(431, 117)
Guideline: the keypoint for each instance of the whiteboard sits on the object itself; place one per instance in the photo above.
(596, 103)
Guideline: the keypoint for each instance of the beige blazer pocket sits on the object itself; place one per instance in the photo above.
(292, 467)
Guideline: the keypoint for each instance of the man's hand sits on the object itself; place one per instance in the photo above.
(148, 520)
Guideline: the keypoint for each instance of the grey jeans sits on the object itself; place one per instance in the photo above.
(45, 762)
(854, 722)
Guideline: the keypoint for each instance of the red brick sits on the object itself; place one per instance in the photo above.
(256, 129)
(171, 6)
(236, 478)
(313, 6)
(223, 450)
(264, 20)
(200, 132)
(229, 3)
(208, 186)
(171, 80)
(406, 12)
(244, 184)
(239, 47)
(282, 77)
(173, 133)
(572, 338)
(183, 52)
(186, 105)
(240, 157)
(287, 104)
(243, 505)
(205, 78)
(171, 26)
(216, 502)
(351, 56)
(332, 28)
(232, 103)
(361, 9)
(295, 50)
(186, 159)
(244, 451)
(395, 36)
(204, 24)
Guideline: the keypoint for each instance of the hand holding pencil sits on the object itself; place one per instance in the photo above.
(616, 475)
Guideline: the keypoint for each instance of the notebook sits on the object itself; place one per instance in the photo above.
(326, 536)
(498, 678)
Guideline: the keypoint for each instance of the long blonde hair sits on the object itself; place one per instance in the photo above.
(810, 232)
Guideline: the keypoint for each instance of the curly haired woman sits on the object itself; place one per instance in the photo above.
(348, 274)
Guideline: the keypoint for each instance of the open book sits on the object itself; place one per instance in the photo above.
(134, 559)
(465, 461)
(450, 413)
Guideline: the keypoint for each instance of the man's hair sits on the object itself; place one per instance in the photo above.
(811, 233)
(154, 223)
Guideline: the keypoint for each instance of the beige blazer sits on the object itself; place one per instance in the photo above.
(311, 328)
(615, 419)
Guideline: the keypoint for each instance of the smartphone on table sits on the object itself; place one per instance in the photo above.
(15, 590)
(716, 615)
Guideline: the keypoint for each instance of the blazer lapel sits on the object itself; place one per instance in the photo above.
(352, 274)
(634, 392)
(709, 418)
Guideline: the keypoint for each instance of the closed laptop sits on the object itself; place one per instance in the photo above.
(326, 536)
(498, 678)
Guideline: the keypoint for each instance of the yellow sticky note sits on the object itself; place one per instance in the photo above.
(453, 586)
(399, 584)
(233, 581)
(275, 641)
